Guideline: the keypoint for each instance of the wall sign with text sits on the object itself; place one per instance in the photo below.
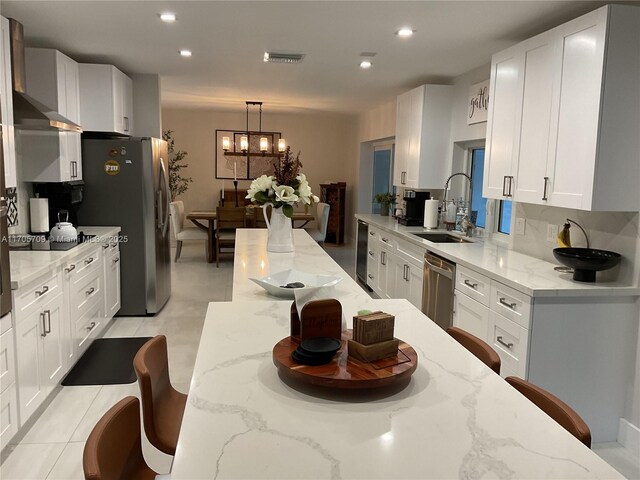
(478, 106)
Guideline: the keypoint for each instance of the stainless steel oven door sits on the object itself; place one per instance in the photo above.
(5, 285)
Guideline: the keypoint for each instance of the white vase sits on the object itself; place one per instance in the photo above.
(280, 239)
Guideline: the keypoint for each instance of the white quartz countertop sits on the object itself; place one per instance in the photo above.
(529, 275)
(253, 261)
(456, 418)
(27, 266)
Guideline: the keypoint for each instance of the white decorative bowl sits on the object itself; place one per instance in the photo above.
(274, 283)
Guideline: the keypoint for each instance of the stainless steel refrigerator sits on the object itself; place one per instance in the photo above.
(127, 184)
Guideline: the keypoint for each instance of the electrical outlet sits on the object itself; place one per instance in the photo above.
(520, 226)
(552, 232)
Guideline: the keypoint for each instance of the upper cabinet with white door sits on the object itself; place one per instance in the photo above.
(564, 115)
(6, 107)
(106, 99)
(422, 137)
(53, 80)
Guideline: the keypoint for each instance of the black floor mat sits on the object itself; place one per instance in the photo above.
(107, 361)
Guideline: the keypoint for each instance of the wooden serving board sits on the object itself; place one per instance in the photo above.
(346, 372)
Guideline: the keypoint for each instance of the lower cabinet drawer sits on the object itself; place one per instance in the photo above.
(87, 327)
(511, 342)
(473, 284)
(471, 316)
(8, 415)
(85, 290)
(372, 271)
(7, 360)
(511, 304)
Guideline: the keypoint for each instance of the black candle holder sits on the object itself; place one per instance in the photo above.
(235, 187)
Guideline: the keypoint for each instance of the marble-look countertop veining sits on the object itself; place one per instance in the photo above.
(529, 275)
(28, 265)
(253, 261)
(456, 418)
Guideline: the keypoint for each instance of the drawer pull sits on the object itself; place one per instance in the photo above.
(471, 285)
(383, 258)
(44, 290)
(116, 260)
(105, 246)
(373, 234)
(385, 240)
(47, 330)
(502, 342)
(511, 306)
(88, 261)
(91, 326)
(70, 268)
(44, 326)
(113, 245)
(370, 276)
(90, 291)
(371, 253)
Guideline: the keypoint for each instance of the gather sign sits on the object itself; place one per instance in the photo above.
(478, 106)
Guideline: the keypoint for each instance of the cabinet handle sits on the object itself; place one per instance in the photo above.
(373, 234)
(44, 327)
(370, 276)
(88, 261)
(385, 240)
(371, 253)
(455, 302)
(91, 326)
(406, 272)
(126, 124)
(116, 260)
(471, 285)
(90, 291)
(502, 342)
(105, 246)
(70, 268)
(504, 186)
(503, 301)
(113, 245)
(510, 186)
(44, 290)
(403, 178)
(48, 330)
(383, 258)
(544, 190)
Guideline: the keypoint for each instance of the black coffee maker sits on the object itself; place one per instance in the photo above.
(414, 208)
(62, 196)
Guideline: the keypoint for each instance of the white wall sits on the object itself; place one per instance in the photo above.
(325, 140)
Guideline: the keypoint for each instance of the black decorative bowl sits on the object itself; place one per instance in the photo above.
(586, 261)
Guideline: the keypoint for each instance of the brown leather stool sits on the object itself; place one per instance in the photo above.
(162, 405)
(555, 408)
(478, 347)
(114, 450)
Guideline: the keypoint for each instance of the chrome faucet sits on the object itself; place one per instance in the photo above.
(446, 187)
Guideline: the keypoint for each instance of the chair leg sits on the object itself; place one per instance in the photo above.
(217, 252)
(206, 248)
(178, 250)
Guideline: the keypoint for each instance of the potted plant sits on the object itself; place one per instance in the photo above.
(385, 200)
(177, 183)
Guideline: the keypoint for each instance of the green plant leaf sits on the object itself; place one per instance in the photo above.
(287, 210)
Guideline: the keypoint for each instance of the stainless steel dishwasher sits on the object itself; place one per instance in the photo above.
(437, 292)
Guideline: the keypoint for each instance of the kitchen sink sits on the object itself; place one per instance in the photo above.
(441, 238)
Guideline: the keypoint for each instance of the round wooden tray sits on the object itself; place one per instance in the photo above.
(346, 372)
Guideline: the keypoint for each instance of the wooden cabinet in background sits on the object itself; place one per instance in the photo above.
(335, 194)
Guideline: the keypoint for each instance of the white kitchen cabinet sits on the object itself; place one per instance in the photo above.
(6, 107)
(422, 137)
(106, 99)
(470, 315)
(511, 343)
(50, 156)
(9, 422)
(112, 284)
(40, 353)
(564, 115)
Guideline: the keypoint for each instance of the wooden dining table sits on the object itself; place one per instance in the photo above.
(198, 218)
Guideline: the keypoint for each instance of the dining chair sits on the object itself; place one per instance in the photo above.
(481, 349)
(162, 405)
(321, 214)
(227, 220)
(562, 413)
(182, 233)
(258, 217)
(114, 448)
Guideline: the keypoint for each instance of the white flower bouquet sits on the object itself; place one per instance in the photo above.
(285, 188)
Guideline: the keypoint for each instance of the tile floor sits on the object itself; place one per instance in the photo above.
(52, 448)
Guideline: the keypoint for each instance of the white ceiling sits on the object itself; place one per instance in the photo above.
(228, 40)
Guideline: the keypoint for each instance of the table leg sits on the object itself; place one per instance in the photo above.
(212, 247)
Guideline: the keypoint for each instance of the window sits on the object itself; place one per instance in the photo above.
(479, 203)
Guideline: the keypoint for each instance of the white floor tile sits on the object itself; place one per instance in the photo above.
(620, 458)
(108, 396)
(123, 327)
(62, 416)
(69, 464)
(31, 461)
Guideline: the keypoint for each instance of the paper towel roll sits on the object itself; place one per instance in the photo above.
(39, 212)
(431, 213)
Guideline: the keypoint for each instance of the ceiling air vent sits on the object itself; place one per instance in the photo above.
(283, 57)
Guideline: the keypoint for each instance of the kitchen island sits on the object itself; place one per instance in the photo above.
(455, 419)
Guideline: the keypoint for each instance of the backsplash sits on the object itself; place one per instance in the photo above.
(615, 231)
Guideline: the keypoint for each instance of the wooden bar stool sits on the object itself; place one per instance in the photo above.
(228, 220)
(555, 408)
(114, 448)
(478, 347)
(162, 405)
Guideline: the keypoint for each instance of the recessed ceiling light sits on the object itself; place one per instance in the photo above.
(365, 64)
(405, 32)
(185, 53)
(168, 17)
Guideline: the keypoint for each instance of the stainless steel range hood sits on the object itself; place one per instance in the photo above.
(29, 114)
